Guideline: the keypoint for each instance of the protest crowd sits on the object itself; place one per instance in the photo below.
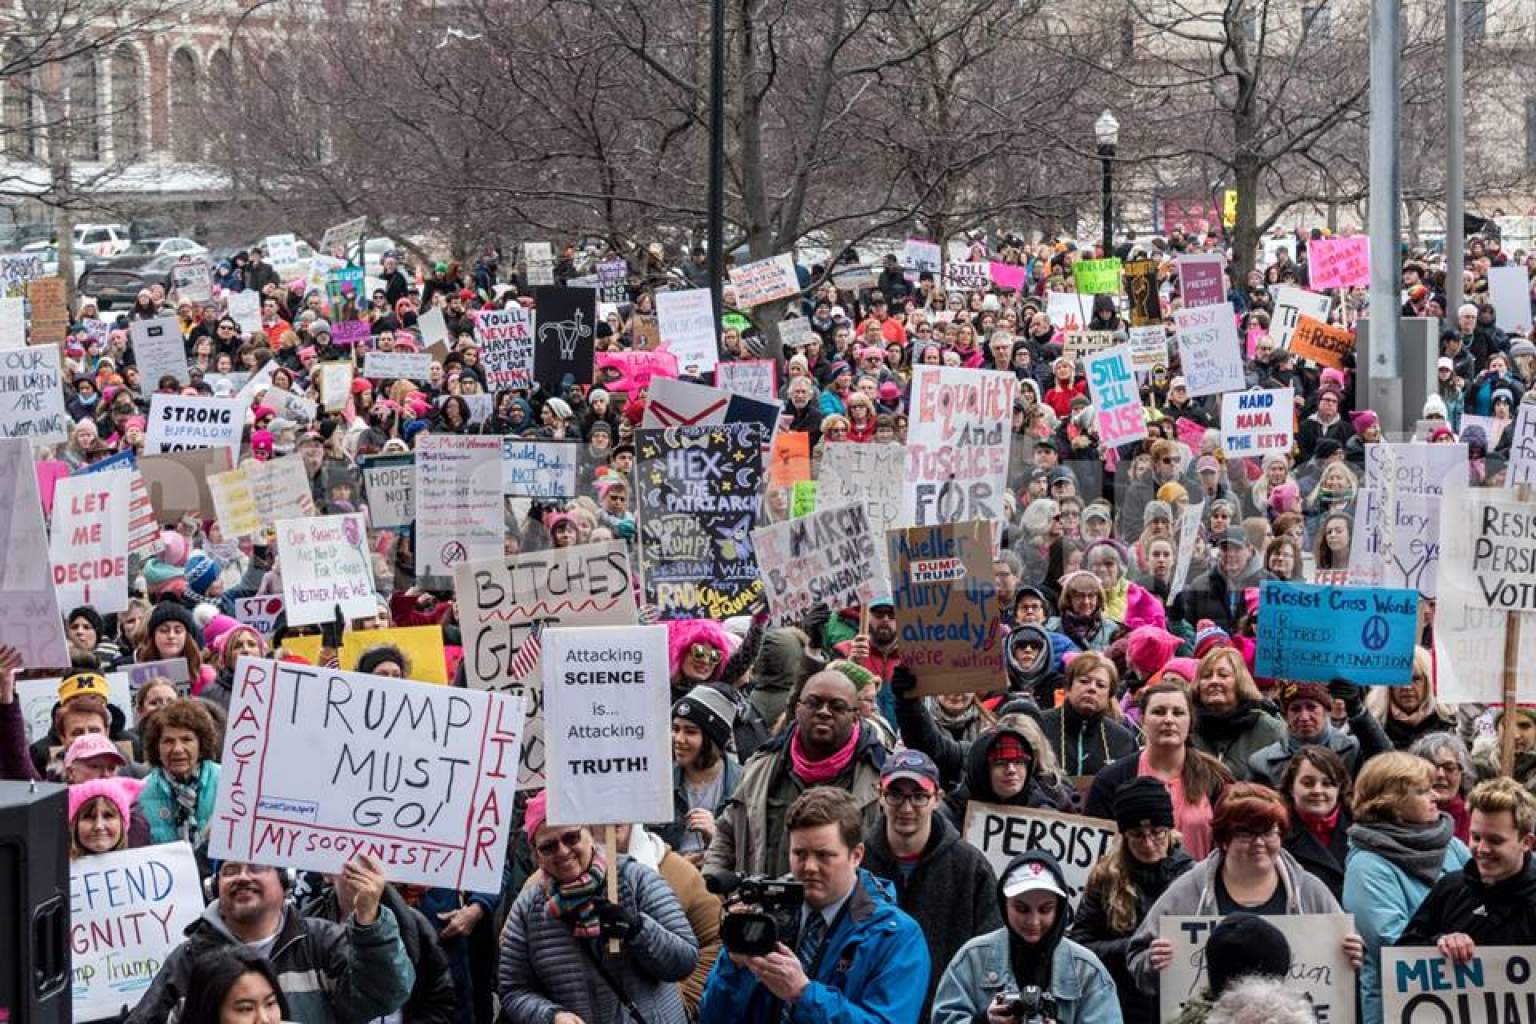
(1050, 634)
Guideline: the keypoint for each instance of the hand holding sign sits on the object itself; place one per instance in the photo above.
(362, 885)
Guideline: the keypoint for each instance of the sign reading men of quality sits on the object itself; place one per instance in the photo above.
(127, 911)
(608, 712)
(957, 444)
(946, 606)
(1364, 634)
(1257, 422)
(826, 557)
(697, 491)
(179, 423)
(325, 563)
(1002, 833)
(1419, 985)
(325, 765)
(1319, 969)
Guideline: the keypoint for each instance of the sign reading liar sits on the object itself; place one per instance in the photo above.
(1319, 969)
(315, 759)
(1002, 833)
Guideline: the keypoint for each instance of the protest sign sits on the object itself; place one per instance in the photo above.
(32, 396)
(681, 403)
(260, 612)
(460, 513)
(38, 698)
(1141, 286)
(1397, 529)
(686, 320)
(280, 488)
(325, 563)
(290, 405)
(422, 647)
(47, 310)
(1149, 347)
(1189, 529)
(30, 620)
(1339, 262)
(646, 330)
(1082, 344)
(158, 351)
(824, 557)
(802, 502)
(1420, 985)
(566, 318)
(1489, 547)
(1007, 276)
(765, 280)
(13, 322)
(749, 378)
(967, 275)
(192, 280)
(245, 309)
(1493, 429)
(16, 269)
(415, 366)
(1202, 280)
(1067, 310)
(127, 911)
(1509, 289)
(539, 469)
(178, 481)
(795, 331)
(433, 326)
(1319, 969)
(340, 238)
(957, 444)
(1291, 304)
(1257, 422)
(946, 606)
(630, 372)
(89, 544)
(315, 757)
(854, 277)
(335, 380)
(505, 337)
(1002, 833)
(870, 474)
(179, 423)
(1116, 399)
(696, 490)
(789, 461)
(389, 485)
(1097, 277)
(921, 255)
(612, 282)
(143, 531)
(1363, 634)
(608, 715)
(539, 263)
(1321, 343)
(1210, 355)
(342, 285)
(353, 333)
(282, 249)
(1522, 448)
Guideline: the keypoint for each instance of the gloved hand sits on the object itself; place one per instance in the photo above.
(1352, 696)
(618, 920)
(903, 682)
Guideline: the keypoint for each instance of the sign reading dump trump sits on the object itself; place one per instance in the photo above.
(322, 765)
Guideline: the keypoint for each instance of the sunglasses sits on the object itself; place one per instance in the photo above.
(704, 652)
(570, 840)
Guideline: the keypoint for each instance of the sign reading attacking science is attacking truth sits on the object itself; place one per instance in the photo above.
(1363, 634)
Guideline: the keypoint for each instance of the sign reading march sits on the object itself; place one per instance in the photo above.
(957, 444)
(1319, 969)
(1364, 634)
(564, 338)
(946, 606)
(697, 490)
(323, 765)
(825, 557)
(1002, 833)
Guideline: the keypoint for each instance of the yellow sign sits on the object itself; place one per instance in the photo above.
(1229, 207)
(421, 645)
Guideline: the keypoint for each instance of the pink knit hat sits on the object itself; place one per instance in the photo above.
(217, 630)
(1185, 668)
(121, 790)
(535, 814)
(1149, 649)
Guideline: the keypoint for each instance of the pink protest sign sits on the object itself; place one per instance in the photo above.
(632, 371)
(1190, 432)
(1007, 275)
(1202, 280)
(1339, 262)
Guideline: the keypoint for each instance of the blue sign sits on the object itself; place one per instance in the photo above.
(1363, 634)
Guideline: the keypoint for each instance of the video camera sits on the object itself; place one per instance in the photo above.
(769, 914)
(1030, 1006)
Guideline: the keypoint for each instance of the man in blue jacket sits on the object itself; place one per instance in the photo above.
(858, 958)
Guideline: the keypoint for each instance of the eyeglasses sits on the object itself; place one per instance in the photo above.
(1270, 836)
(836, 707)
(1146, 835)
(570, 840)
(704, 652)
(234, 869)
(1021, 763)
(1449, 767)
(915, 797)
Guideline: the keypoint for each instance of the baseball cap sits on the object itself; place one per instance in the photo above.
(1445, 363)
(93, 744)
(1031, 876)
(1097, 511)
(1233, 535)
(1207, 463)
(914, 765)
(82, 684)
(1176, 383)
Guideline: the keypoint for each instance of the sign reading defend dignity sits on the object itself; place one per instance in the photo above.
(608, 721)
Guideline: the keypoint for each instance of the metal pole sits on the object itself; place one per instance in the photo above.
(1386, 187)
(1106, 158)
(1455, 163)
(716, 159)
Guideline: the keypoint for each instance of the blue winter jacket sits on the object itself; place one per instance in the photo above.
(870, 971)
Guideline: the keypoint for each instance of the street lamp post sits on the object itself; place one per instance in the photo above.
(1106, 131)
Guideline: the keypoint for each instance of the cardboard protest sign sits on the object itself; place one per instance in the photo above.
(687, 323)
(1082, 344)
(127, 912)
(32, 396)
(946, 606)
(1291, 304)
(967, 275)
(30, 620)
(697, 491)
(608, 715)
(1141, 286)
(630, 372)
(1257, 422)
(340, 238)
(1149, 347)
(158, 351)
(957, 444)
(460, 508)
(1116, 399)
(765, 280)
(179, 423)
(1002, 833)
(16, 269)
(1363, 634)
(1097, 277)
(681, 403)
(260, 613)
(315, 757)
(1339, 262)
(335, 385)
(178, 481)
(825, 557)
(505, 337)
(539, 469)
(1202, 280)
(1319, 969)
(539, 262)
(1210, 355)
(1418, 983)
(870, 474)
(749, 378)
(566, 319)
(1323, 344)
(1397, 526)
(89, 544)
(502, 602)
(13, 323)
(415, 366)
(921, 255)
(325, 563)
(47, 310)
(389, 485)
(1067, 310)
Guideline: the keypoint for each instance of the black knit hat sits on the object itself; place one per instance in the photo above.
(90, 615)
(710, 710)
(1244, 944)
(1143, 802)
(171, 610)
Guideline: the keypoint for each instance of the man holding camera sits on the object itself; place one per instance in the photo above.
(856, 956)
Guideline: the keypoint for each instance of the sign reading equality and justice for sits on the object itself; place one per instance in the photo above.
(321, 765)
(957, 444)
(1363, 634)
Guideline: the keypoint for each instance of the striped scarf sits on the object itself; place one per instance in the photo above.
(576, 901)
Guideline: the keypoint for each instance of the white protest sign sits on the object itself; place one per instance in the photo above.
(158, 351)
(433, 326)
(1509, 289)
(1319, 969)
(1002, 833)
(415, 366)
(1490, 541)
(127, 912)
(1067, 310)
(1522, 448)
(686, 320)
(389, 481)
(179, 423)
(1149, 347)
(257, 382)
(957, 444)
(30, 620)
(325, 563)
(826, 557)
(32, 396)
(280, 488)
(1257, 422)
(1397, 529)
(1116, 398)
(921, 255)
(1189, 529)
(1291, 304)
(335, 380)
(290, 406)
(345, 235)
(765, 280)
(539, 469)
(750, 378)
(1210, 357)
(260, 612)
(1419, 985)
(315, 758)
(192, 280)
(795, 331)
(244, 308)
(89, 545)
(968, 275)
(505, 337)
(539, 263)
(871, 474)
(13, 322)
(608, 720)
(39, 697)
(460, 513)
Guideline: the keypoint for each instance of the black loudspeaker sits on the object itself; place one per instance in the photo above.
(34, 903)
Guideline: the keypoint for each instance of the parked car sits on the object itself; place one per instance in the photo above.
(118, 282)
(102, 239)
(175, 246)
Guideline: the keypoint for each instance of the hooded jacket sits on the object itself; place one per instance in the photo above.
(993, 963)
(1501, 914)
(978, 780)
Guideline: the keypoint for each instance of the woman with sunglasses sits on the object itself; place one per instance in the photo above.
(702, 653)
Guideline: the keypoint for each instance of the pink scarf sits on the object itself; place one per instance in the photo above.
(816, 773)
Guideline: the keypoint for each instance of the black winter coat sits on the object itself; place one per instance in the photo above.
(433, 998)
(1326, 862)
(1082, 747)
(1501, 914)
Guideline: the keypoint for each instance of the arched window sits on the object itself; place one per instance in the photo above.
(185, 101)
(221, 78)
(16, 136)
(84, 109)
(127, 104)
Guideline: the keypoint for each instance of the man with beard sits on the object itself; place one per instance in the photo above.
(329, 972)
(877, 651)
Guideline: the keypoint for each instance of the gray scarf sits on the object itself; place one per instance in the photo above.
(1416, 850)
